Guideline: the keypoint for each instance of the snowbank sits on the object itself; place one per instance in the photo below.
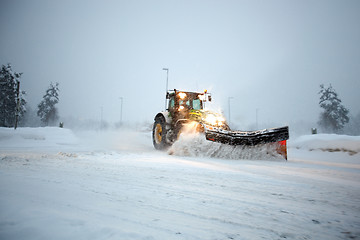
(48, 137)
(191, 145)
(327, 142)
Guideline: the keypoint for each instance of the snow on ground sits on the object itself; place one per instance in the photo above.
(57, 184)
(329, 143)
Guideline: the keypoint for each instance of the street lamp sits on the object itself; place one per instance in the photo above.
(101, 117)
(121, 109)
(229, 108)
(17, 103)
(167, 80)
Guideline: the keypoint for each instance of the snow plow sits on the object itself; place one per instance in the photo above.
(187, 110)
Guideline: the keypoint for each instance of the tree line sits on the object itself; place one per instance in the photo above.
(13, 105)
(334, 117)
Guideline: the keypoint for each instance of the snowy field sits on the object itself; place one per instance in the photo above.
(57, 184)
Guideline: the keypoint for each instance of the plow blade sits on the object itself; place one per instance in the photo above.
(249, 138)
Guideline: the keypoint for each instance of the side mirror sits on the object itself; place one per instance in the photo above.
(209, 98)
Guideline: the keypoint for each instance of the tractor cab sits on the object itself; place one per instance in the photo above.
(182, 103)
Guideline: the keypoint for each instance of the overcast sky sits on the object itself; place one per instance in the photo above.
(267, 55)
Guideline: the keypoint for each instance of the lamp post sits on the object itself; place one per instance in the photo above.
(229, 108)
(17, 111)
(101, 117)
(167, 80)
(121, 108)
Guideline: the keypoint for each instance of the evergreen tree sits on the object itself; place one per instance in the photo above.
(47, 111)
(10, 104)
(334, 115)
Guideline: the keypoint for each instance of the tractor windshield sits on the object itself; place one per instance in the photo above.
(197, 104)
(185, 101)
(191, 104)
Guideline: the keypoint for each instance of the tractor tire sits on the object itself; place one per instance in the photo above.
(159, 134)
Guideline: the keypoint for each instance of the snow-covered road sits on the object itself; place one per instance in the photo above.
(55, 185)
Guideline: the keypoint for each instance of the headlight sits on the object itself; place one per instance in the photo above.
(221, 119)
(214, 120)
(201, 97)
(211, 119)
(182, 95)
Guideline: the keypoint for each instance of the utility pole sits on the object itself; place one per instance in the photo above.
(17, 110)
(101, 118)
(121, 109)
(167, 80)
(229, 108)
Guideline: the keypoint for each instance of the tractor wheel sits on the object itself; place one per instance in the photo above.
(159, 134)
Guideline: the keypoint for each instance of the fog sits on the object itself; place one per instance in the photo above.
(269, 56)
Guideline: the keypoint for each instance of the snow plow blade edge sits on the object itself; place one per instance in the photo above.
(249, 138)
